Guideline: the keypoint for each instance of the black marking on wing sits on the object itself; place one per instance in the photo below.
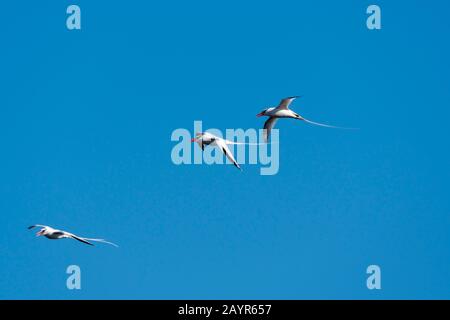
(225, 151)
(81, 240)
(235, 163)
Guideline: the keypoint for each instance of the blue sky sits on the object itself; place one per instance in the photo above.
(85, 126)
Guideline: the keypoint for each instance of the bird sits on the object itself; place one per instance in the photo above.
(208, 139)
(283, 111)
(55, 234)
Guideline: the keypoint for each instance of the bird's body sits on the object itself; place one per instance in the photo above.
(55, 234)
(280, 113)
(283, 111)
(208, 139)
(274, 113)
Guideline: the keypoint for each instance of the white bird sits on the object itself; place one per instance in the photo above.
(55, 234)
(283, 111)
(208, 139)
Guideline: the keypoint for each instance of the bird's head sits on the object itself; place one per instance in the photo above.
(262, 113)
(198, 136)
(41, 232)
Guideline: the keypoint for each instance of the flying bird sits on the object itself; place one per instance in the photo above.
(207, 139)
(55, 234)
(283, 111)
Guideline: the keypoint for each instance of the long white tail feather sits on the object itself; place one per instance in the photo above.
(327, 125)
(101, 240)
(246, 143)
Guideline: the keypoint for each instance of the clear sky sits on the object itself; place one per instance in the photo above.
(85, 125)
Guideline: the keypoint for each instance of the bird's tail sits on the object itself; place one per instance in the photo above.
(327, 125)
(246, 143)
(102, 241)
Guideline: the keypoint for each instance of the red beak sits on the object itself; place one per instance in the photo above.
(197, 136)
(260, 114)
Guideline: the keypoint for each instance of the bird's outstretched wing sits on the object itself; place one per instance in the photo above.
(201, 144)
(223, 146)
(37, 225)
(268, 125)
(284, 103)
